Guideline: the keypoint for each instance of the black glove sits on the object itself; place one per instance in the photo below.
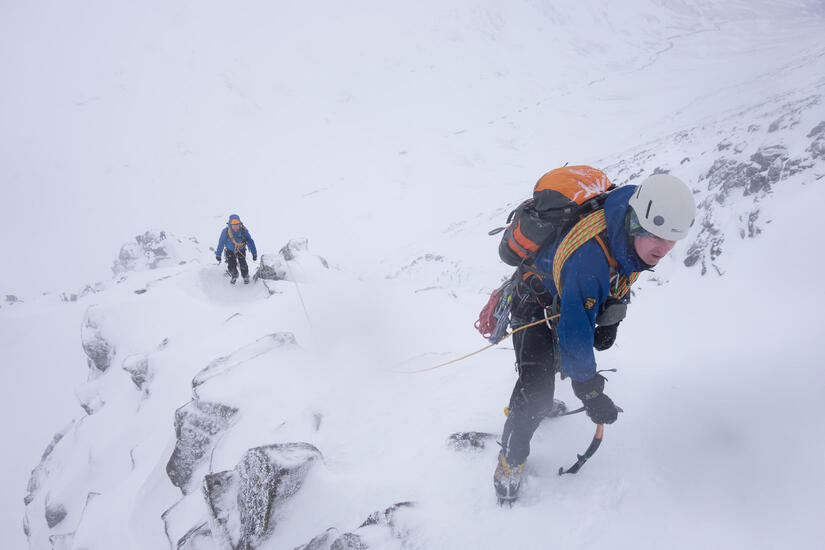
(597, 405)
(218, 258)
(254, 257)
(604, 336)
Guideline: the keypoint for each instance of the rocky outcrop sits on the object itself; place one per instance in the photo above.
(198, 427)
(245, 502)
(97, 347)
(156, 249)
(274, 266)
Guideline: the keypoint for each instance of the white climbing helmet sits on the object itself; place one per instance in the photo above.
(665, 207)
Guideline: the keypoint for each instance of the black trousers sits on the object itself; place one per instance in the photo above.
(532, 397)
(235, 257)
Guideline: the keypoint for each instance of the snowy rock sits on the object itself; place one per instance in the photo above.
(98, 349)
(12, 299)
(322, 541)
(817, 147)
(154, 250)
(198, 426)
(41, 471)
(138, 368)
(199, 538)
(245, 502)
(55, 513)
(226, 363)
(86, 291)
(470, 441)
(380, 530)
(275, 267)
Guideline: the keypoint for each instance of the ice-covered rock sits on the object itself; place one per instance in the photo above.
(198, 426)
(380, 530)
(99, 350)
(226, 363)
(138, 368)
(156, 249)
(292, 262)
(245, 502)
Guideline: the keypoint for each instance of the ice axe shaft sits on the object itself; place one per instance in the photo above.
(591, 450)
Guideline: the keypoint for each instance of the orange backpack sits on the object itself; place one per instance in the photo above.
(560, 197)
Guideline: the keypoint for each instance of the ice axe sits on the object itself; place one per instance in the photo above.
(591, 450)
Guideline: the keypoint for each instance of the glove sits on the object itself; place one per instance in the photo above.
(604, 336)
(254, 257)
(218, 258)
(599, 407)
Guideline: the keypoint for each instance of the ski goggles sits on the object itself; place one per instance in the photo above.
(634, 227)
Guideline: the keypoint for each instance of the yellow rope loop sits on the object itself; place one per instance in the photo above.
(534, 323)
(582, 232)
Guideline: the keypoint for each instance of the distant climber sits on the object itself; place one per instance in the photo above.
(235, 239)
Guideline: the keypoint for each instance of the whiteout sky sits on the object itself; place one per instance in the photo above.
(383, 131)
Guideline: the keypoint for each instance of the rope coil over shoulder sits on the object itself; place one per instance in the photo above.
(588, 228)
(238, 245)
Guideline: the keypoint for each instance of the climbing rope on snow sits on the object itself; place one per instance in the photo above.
(300, 297)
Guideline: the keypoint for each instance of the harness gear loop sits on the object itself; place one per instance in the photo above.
(588, 228)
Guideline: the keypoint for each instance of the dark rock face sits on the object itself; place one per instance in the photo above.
(98, 350)
(817, 147)
(55, 513)
(244, 502)
(198, 425)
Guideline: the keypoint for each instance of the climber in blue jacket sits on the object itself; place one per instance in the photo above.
(234, 239)
(586, 279)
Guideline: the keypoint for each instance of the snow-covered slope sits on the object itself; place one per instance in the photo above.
(394, 142)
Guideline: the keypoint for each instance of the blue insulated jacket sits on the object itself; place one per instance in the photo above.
(241, 236)
(585, 279)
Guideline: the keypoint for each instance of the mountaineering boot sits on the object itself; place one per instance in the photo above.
(233, 279)
(246, 280)
(507, 480)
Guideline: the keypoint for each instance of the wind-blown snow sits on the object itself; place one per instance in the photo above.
(393, 139)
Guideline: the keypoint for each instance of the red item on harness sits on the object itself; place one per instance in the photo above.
(495, 315)
(487, 321)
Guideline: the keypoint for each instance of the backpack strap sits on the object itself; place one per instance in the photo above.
(588, 228)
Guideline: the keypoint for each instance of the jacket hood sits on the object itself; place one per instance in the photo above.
(615, 210)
